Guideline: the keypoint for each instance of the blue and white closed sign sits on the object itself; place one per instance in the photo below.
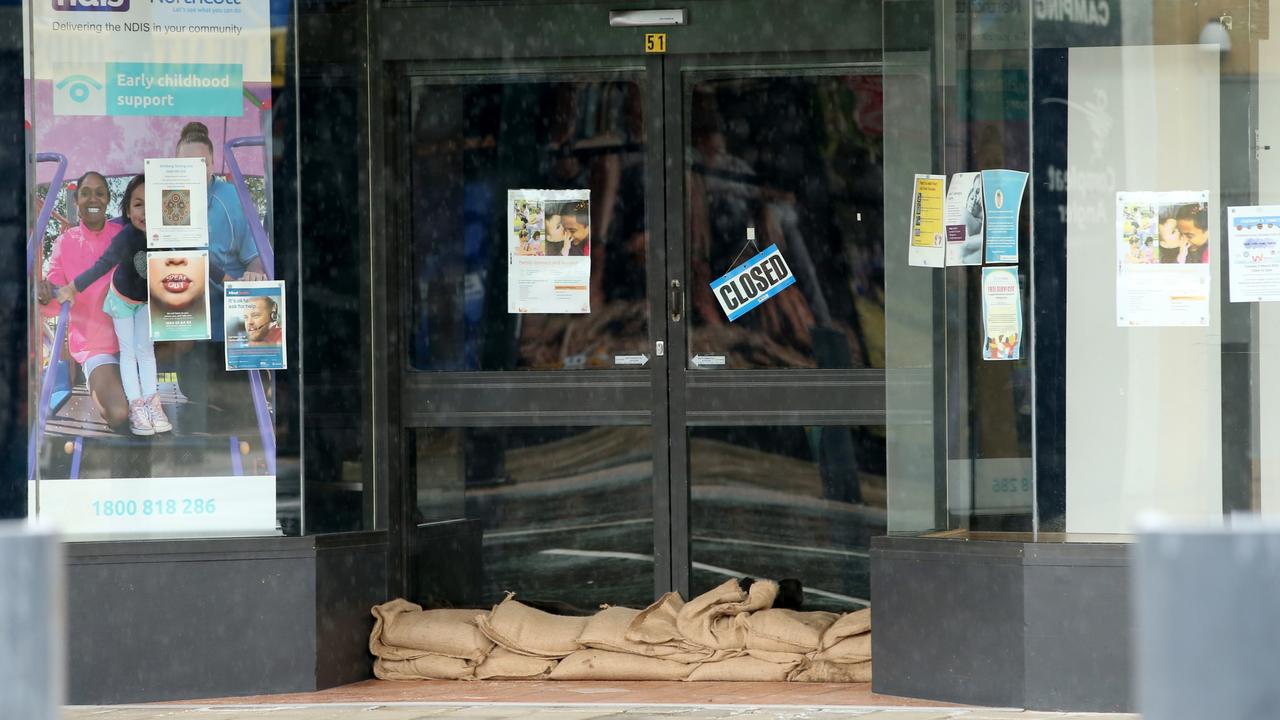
(742, 289)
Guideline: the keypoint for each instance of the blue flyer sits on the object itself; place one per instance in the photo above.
(255, 322)
(1002, 194)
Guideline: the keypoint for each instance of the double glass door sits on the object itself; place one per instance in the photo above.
(649, 443)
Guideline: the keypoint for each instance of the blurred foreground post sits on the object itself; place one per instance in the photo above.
(31, 623)
(1206, 613)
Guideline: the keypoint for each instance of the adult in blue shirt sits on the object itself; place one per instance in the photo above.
(230, 242)
(201, 371)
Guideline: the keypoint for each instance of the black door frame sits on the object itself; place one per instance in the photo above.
(668, 398)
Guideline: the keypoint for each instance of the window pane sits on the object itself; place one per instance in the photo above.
(779, 502)
(471, 144)
(558, 514)
(799, 159)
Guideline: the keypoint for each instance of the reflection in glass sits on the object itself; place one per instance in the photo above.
(779, 502)
(798, 158)
(566, 514)
(471, 143)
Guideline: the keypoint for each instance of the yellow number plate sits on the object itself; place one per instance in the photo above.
(655, 42)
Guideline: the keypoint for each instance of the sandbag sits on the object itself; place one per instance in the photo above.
(656, 624)
(708, 619)
(849, 625)
(384, 615)
(502, 664)
(850, 650)
(785, 630)
(830, 672)
(778, 658)
(527, 631)
(605, 665)
(607, 630)
(426, 667)
(743, 669)
(452, 633)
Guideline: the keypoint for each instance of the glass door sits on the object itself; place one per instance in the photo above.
(647, 443)
(776, 414)
(533, 398)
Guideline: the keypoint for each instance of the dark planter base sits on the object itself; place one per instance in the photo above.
(1043, 626)
(187, 619)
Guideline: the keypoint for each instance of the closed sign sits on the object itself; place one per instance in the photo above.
(742, 289)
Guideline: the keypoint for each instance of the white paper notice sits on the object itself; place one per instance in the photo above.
(927, 246)
(177, 202)
(1162, 248)
(1253, 253)
(964, 217)
(549, 251)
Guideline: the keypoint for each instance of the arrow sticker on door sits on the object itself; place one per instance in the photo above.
(745, 287)
(640, 359)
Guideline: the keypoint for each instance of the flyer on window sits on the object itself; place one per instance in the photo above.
(254, 318)
(177, 202)
(549, 251)
(1002, 204)
(178, 294)
(1001, 314)
(965, 219)
(927, 232)
(1253, 253)
(1162, 253)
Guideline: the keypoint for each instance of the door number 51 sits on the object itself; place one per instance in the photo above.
(655, 42)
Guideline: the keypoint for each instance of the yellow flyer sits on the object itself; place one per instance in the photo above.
(928, 232)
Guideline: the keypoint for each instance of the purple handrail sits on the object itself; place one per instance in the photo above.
(246, 202)
(34, 246)
(264, 425)
(46, 209)
(250, 210)
(46, 392)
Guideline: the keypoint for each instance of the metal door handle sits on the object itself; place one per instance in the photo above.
(677, 301)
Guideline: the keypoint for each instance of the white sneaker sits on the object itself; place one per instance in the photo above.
(140, 418)
(159, 421)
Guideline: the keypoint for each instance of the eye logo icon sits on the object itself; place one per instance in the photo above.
(81, 91)
(78, 87)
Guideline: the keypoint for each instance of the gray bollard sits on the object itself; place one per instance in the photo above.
(32, 671)
(1206, 613)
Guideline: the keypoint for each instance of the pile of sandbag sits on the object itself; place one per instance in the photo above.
(725, 634)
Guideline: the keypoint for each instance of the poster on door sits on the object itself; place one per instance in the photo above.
(1001, 314)
(1002, 192)
(1253, 253)
(549, 251)
(927, 231)
(965, 219)
(1162, 259)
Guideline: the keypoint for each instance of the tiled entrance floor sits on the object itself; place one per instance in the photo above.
(614, 693)
(533, 700)
(575, 711)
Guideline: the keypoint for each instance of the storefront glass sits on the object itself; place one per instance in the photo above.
(172, 389)
(1142, 276)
